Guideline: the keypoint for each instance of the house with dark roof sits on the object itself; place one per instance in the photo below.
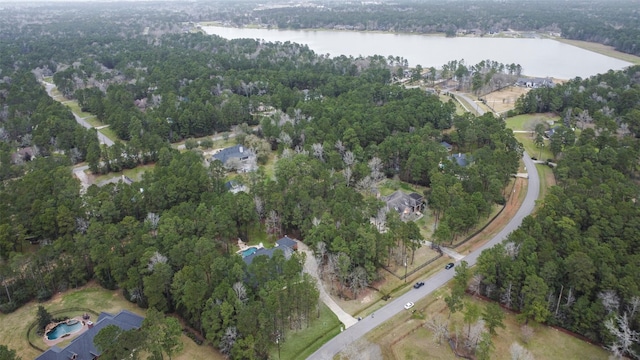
(461, 159)
(404, 204)
(237, 158)
(446, 145)
(285, 244)
(82, 347)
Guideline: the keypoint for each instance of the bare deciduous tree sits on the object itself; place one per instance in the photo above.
(365, 184)
(511, 249)
(257, 200)
(440, 328)
(506, 297)
(340, 147)
(347, 173)
(318, 151)
(241, 291)
(474, 335)
(610, 300)
(285, 139)
(349, 158)
(474, 284)
(625, 337)
(375, 165)
(155, 259)
(358, 280)
(228, 340)
(272, 223)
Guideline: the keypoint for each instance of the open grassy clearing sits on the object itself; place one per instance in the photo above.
(528, 122)
(504, 100)
(388, 186)
(14, 327)
(135, 174)
(75, 107)
(110, 134)
(404, 337)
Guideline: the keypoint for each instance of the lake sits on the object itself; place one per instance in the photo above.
(538, 57)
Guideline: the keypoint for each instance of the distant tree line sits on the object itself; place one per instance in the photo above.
(609, 23)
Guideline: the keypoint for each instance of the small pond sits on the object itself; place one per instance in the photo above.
(62, 329)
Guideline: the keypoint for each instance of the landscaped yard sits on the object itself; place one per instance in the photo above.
(13, 332)
(404, 337)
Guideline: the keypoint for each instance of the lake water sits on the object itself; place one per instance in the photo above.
(538, 57)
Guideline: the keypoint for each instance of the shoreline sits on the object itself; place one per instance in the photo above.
(597, 48)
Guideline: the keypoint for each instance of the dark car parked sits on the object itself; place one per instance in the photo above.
(449, 266)
(418, 285)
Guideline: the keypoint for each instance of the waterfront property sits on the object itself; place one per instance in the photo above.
(82, 347)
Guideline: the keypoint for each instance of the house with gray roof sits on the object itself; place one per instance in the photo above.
(285, 244)
(82, 347)
(404, 204)
(461, 159)
(238, 158)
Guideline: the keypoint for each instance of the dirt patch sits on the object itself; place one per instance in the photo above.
(505, 99)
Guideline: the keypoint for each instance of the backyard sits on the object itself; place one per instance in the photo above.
(13, 332)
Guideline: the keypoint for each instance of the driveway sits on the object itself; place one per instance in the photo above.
(353, 333)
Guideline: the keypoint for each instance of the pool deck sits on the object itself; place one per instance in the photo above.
(84, 328)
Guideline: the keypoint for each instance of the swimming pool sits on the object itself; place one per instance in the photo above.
(249, 251)
(64, 328)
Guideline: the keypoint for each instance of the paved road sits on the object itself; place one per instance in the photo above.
(101, 137)
(353, 333)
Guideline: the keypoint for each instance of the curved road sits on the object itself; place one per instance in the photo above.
(355, 332)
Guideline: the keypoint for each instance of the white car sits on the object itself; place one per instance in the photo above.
(408, 305)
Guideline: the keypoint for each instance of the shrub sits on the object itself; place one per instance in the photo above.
(191, 144)
(43, 295)
(206, 143)
(8, 307)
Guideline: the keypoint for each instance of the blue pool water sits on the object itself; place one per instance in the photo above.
(248, 252)
(62, 329)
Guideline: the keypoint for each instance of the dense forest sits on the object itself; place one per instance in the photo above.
(338, 128)
(613, 23)
(575, 262)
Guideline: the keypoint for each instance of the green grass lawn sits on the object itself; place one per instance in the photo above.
(134, 174)
(75, 107)
(527, 122)
(110, 134)
(389, 186)
(302, 343)
(13, 332)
